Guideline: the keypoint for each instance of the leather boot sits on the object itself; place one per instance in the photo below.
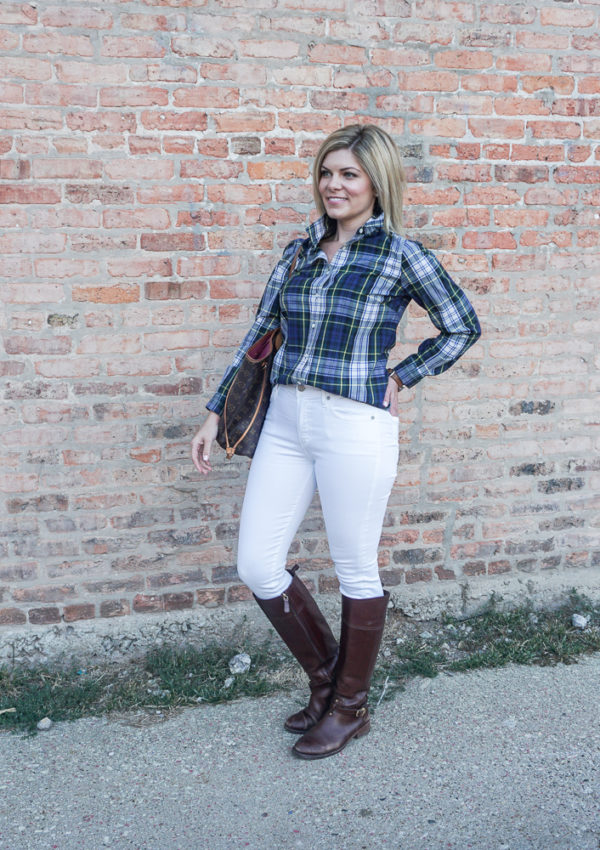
(348, 715)
(297, 619)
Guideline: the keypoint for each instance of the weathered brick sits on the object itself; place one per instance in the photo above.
(12, 617)
(145, 603)
(210, 598)
(178, 601)
(82, 611)
(560, 485)
(114, 608)
(44, 616)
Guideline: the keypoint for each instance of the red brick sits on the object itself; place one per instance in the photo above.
(171, 195)
(270, 49)
(145, 603)
(157, 219)
(31, 119)
(239, 194)
(490, 239)
(398, 57)
(66, 268)
(76, 45)
(239, 593)
(185, 45)
(250, 122)
(210, 598)
(178, 601)
(12, 617)
(428, 81)
(418, 574)
(112, 122)
(83, 611)
(352, 101)
(453, 127)
(147, 22)
(118, 294)
(172, 242)
(44, 616)
(136, 96)
(186, 121)
(238, 72)
(207, 97)
(217, 169)
(472, 59)
(133, 47)
(308, 122)
(138, 267)
(554, 129)
(114, 608)
(568, 17)
(571, 175)
(337, 54)
(302, 75)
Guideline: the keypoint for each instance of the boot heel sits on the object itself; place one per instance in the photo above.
(364, 730)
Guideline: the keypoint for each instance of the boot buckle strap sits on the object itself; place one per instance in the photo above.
(347, 710)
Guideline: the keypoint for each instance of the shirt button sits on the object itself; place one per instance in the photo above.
(314, 325)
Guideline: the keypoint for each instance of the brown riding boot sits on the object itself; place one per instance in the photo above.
(348, 715)
(297, 619)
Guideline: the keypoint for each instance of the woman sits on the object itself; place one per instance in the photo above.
(332, 423)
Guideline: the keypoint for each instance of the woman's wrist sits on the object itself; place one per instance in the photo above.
(396, 378)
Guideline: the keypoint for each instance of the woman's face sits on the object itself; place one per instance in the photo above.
(346, 191)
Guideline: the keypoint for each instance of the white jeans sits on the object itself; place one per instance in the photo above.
(349, 451)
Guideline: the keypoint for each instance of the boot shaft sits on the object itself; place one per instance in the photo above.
(363, 622)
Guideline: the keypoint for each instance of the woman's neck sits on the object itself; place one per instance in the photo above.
(344, 231)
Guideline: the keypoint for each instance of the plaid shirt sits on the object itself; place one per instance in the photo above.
(339, 319)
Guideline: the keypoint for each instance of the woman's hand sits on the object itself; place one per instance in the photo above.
(390, 399)
(202, 443)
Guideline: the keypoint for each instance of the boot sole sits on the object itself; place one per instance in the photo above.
(364, 730)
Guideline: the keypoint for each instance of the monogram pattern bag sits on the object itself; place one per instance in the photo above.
(248, 396)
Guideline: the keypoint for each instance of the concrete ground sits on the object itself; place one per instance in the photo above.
(503, 759)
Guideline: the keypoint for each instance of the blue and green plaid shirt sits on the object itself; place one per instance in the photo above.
(339, 319)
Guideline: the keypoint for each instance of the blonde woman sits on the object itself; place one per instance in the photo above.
(332, 423)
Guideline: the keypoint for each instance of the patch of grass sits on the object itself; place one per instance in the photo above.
(491, 638)
(168, 677)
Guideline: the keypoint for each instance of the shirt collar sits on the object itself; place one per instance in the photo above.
(317, 230)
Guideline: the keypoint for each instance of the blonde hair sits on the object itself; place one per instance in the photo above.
(379, 157)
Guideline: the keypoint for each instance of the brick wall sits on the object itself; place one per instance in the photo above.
(154, 162)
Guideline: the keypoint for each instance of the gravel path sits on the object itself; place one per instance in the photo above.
(503, 759)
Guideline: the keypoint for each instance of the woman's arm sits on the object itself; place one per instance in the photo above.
(267, 318)
(429, 284)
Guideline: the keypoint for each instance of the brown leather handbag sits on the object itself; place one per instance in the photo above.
(247, 399)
